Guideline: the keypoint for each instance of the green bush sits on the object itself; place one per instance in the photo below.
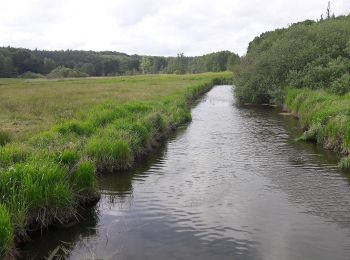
(341, 85)
(31, 75)
(63, 72)
(305, 55)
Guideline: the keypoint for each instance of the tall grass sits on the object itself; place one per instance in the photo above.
(44, 178)
(325, 118)
(6, 231)
(4, 137)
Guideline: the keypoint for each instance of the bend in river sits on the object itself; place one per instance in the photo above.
(232, 184)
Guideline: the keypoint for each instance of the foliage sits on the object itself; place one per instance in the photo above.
(69, 63)
(305, 55)
(63, 72)
(31, 75)
(325, 116)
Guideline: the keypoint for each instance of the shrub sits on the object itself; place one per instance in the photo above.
(341, 85)
(63, 72)
(31, 75)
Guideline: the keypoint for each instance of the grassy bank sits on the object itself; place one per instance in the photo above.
(325, 118)
(46, 175)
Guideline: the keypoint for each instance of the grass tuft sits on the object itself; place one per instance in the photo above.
(75, 126)
(84, 178)
(5, 137)
(13, 153)
(108, 153)
(69, 157)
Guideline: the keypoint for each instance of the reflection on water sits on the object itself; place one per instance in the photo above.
(233, 184)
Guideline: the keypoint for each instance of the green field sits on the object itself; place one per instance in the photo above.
(30, 106)
(57, 134)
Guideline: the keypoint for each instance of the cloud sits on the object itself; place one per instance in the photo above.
(154, 27)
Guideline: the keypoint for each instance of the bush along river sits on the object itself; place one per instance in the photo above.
(233, 184)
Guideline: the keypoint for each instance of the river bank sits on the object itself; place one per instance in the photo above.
(324, 118)
(45, 179)
(185, 200)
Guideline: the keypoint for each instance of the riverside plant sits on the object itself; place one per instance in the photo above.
(325, 118)
(46, 178)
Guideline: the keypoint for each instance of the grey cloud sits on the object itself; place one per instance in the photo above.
(153, 27)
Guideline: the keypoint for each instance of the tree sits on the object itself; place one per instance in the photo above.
(328, 12)
(180, 64)
(7, 70)
(19, 58)
(145, 65)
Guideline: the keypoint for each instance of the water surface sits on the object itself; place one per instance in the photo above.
(233, 184)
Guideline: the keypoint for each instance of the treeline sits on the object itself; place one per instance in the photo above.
(16, 62)
(309, 54)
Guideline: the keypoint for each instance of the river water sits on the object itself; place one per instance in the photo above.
(233, 184)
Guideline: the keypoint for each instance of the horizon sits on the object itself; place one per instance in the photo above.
(151, 28)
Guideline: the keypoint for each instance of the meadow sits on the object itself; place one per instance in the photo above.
(31, 106)
(57, 135)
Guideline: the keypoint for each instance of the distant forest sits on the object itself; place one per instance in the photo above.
(19, 62)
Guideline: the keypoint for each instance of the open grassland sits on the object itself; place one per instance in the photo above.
(325, 118)
(57, 134)
(31, 106)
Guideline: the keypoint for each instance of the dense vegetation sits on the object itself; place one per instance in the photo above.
(307, 54)
(15, 62)
(325, 117)
(45, 177)
(307, 68)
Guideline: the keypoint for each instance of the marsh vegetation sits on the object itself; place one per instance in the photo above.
(85, 126)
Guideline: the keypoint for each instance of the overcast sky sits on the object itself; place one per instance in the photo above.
(152, 27)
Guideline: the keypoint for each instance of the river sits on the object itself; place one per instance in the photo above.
(233, 184)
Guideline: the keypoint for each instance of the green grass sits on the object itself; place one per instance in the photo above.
(6, 231)
(325, 118)
(49, 168)
(34, 105)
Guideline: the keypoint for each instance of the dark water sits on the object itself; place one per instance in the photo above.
(233, 184)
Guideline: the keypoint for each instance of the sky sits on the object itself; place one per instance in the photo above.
(151, 27)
